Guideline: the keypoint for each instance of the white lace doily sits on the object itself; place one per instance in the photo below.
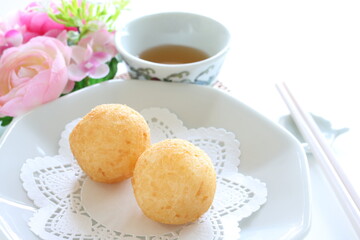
(72, 206)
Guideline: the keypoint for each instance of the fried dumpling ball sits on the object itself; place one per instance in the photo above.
(108, 141)
(174, 182)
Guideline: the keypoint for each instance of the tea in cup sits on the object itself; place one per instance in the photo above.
(174, 47)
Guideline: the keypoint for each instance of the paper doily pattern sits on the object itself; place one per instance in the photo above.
(71, 206)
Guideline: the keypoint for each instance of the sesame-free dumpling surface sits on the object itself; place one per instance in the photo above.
(174, 182)
(108, 141)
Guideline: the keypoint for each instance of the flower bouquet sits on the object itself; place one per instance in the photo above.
(48, 50)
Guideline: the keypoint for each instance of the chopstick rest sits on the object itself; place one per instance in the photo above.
(343, 188)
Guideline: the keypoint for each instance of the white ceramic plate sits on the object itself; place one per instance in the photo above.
(268, 152)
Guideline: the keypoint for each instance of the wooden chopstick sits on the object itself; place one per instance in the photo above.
(343, 188)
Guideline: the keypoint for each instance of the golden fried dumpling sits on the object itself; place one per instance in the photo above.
(108, 141)
(174, 182)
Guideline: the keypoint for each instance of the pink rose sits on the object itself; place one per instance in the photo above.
(38, 23)
(32, 74)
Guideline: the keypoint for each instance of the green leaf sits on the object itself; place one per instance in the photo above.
(63, 11)
(71, 13)
(83, 5)
(75, 4)
(91, 10)
(5, 121)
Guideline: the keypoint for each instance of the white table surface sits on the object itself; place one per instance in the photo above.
(312, 44)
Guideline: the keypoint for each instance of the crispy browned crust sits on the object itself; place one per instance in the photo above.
(174, 182)
(108, 141)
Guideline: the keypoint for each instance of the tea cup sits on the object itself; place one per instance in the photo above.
(174, 29)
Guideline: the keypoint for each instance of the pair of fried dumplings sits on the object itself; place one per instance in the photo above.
(174, 181)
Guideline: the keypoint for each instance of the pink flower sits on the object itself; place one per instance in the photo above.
(38, 23)
(11, 38)
(87, 63)
(100, 41)
(91, 54)
(10, 34)
(24, 25)
(32, 74)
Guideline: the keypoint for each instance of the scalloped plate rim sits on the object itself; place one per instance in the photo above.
(280, 147)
